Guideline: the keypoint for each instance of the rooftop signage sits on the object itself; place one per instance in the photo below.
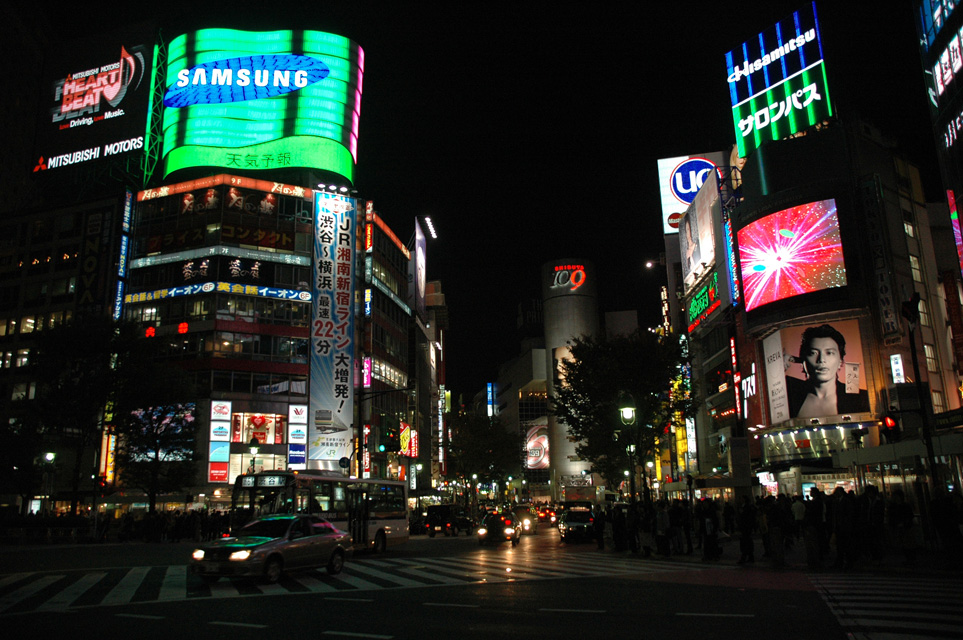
(777, 82)
(262, 100)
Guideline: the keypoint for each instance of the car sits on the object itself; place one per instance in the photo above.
(499, 527)
(576, 524)
(448, 519)
(527, 517)
(266, 547)
(547, 514)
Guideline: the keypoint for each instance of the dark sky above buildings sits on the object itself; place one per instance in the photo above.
(531, 131)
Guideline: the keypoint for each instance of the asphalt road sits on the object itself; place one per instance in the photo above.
(431, 588)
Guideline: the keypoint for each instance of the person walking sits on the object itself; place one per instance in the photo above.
(747, 526)
(598, 528)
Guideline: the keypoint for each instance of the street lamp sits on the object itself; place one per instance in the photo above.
(254, 446)
(627, 415)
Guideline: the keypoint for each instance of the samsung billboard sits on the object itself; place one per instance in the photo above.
(262, 101)
(96, 99)
(777, 82)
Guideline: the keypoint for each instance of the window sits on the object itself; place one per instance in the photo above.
(932, 363)
(924, 314)
(23, 356)
(915, 268)
(938, 405)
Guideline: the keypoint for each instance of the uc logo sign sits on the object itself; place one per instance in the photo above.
(686, 179)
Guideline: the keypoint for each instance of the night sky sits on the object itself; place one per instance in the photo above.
(530, 134)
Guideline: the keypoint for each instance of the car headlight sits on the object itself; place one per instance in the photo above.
(241, 555)
(528, 522)
(482, 531)
(198, 554)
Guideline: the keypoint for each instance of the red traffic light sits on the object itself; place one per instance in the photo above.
(889, 421)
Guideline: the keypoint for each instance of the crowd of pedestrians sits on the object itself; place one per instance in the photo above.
(173, 526)
(838, 530)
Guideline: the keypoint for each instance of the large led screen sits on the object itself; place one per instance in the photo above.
(791, 252)
(816, 371)
(268, 100)
(777, 82)
(96, 96)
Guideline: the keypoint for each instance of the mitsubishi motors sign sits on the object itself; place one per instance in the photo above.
(95, 97)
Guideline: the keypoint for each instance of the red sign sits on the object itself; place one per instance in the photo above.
(217, 472)
(674, 219)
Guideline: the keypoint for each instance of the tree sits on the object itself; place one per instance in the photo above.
(155, 413)
(74, 375)
(647, 365)
(481, 446)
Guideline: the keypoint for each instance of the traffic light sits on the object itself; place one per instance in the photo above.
(103, 488)
(891, 428)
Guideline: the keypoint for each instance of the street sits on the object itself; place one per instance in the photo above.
(447, 587)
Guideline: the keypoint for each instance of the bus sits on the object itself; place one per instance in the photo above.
(373, 511)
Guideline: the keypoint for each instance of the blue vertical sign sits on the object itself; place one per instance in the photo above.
(332, 330)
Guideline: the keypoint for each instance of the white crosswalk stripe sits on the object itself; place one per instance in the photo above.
(165, 584)
(882, 607)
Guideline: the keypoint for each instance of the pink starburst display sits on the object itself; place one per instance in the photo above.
(791, 252)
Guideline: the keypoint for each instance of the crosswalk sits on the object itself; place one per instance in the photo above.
(887, 607)
(43, 592)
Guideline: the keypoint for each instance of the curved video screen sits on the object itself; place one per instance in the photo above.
(791, 252)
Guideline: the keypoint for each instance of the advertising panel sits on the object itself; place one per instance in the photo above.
(536, 447)
(791, 252)
(331, 406)
(955, 222)
(96, 93)
(777, 81)
(262, 101)
(679, 181)
(815, 372)
(417, 273)
(698, 236)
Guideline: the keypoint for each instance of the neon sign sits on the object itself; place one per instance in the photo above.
(569, 276)
(704, 301)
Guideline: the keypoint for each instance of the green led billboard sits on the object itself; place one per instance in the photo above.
(777, 82)
(245, 100)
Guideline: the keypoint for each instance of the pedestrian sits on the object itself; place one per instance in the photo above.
(813, 526)
(619, 529)
(598, 528)
(902, 521)
(798, 515)
(747, 527)
(662, 529)
(633, 523)
(872, 519)
(710, 528)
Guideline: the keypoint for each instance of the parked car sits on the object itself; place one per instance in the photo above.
(576, 524)
(269, 546)
(499, 527)
(448, 519)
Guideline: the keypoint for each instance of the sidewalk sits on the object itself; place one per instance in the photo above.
(927, 561)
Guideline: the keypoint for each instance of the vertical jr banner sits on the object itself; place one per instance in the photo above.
(777, 82)
(332, 339)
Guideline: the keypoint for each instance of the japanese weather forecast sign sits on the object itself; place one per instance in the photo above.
(96, 99)
(777, 82)
(791, 252)
(331, 406)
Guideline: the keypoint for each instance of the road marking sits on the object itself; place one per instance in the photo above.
(63, 599)
(573, 610)
(238, 624)
(350, 599)
(26, 591)
(139, 616)
(451, 604)
(127, 587)
(353, 634)
(716, 615)
(174, 586)
(13, 577)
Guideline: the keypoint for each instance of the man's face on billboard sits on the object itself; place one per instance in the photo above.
(822, 359)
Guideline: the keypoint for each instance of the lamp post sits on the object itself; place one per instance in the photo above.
(627, 414)
(254, 447)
